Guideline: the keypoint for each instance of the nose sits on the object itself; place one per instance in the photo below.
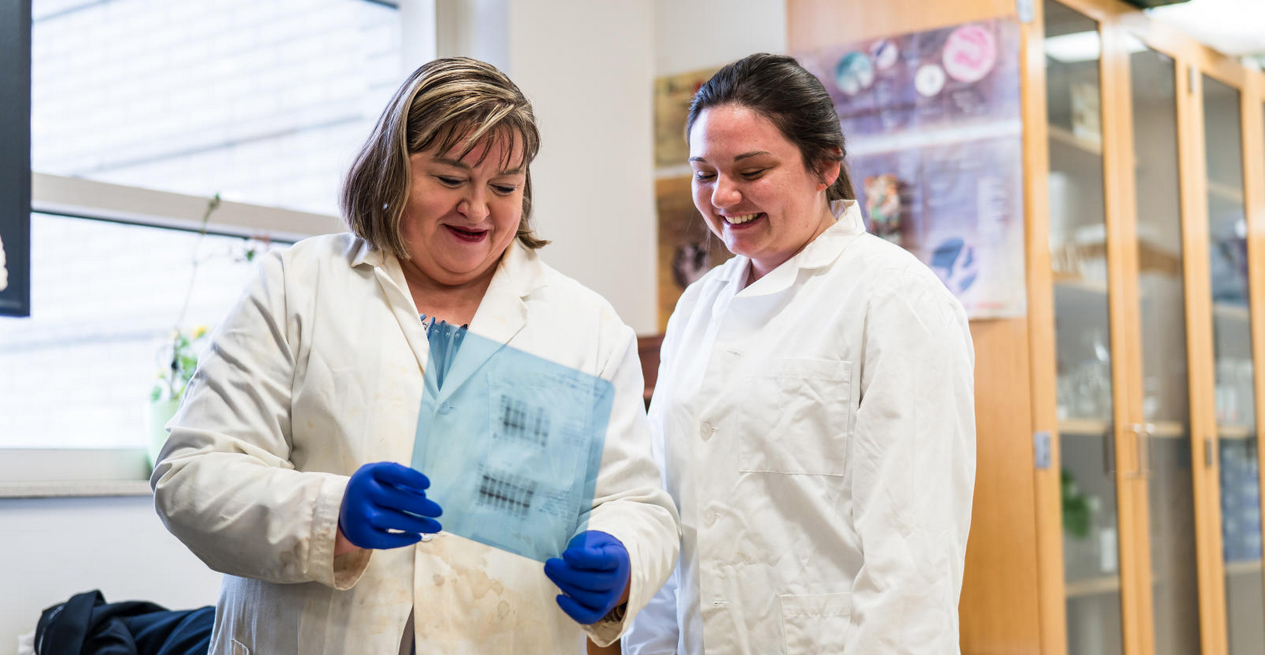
(474, 206)
(725, 193)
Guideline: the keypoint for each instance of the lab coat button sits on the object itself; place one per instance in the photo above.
(706, 430)
(711, 517)
(445, 408)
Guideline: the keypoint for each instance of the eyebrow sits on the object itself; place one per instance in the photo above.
(462, 165)
(741, 157)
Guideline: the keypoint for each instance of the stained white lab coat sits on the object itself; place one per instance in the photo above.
(817, 431)
(317, 371)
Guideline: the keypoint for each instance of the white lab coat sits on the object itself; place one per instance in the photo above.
(317, 371)
(817, 431)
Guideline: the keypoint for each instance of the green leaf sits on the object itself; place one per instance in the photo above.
(1078, 517)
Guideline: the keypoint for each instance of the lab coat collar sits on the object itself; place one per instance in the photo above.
(819, 253)
(501, 315)
(366, 254)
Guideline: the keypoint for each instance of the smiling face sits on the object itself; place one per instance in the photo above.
(752, 188)
(463, 212)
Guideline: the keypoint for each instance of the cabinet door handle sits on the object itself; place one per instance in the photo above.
(1109, 451)
(1142, 442)
(1148, 434)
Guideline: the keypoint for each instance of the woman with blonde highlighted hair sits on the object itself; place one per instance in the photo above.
(286, 465)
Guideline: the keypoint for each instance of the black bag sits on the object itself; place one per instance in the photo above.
(86, 624)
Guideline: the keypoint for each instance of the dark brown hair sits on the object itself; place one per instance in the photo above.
(778, 88)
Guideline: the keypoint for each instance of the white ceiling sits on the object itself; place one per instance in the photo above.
(1235, 27)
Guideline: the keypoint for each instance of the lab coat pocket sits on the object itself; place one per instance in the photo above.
(815, 624)
(801, 417)
(238, 648)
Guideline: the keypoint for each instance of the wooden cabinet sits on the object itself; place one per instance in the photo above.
(1118, 494)
(648, 353)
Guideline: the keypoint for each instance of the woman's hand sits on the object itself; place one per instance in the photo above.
(385, 506)
(592, 574)
(341, 545)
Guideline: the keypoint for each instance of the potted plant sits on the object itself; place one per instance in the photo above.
(180, 358)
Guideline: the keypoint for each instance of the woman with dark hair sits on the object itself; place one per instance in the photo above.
(814, 412)
(285, 465)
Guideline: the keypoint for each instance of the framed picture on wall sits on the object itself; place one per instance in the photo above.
(672, 97)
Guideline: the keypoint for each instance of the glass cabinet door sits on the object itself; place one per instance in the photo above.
(1165, 446)
(1078, 256)
(1235, 387)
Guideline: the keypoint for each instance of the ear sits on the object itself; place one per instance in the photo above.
(828, 170)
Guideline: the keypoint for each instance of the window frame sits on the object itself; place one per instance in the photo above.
(15, 171)
(44, 472)
(62, 472)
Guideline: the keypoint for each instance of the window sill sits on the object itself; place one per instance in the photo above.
(74, 489)
(70, 473)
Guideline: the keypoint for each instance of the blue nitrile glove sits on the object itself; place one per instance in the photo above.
(386, 496)
(592, 574)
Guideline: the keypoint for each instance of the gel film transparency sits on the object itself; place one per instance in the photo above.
(511, 443)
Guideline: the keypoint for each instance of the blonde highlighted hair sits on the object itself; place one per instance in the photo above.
(448, 102)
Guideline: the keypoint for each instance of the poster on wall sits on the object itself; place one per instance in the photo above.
(934, 138)
(959, 208)
(15, 167)
(672, 97)
(687, 249)
(953, 77)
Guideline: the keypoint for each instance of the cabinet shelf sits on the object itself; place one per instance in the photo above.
(1084, 588)
(1243, 567)
(1225, 192)
(1079, 285)
(1068, 138)
(1110, 584)
(1168, 430)
(1083, 427)
(1231, 312)
(1230, 431)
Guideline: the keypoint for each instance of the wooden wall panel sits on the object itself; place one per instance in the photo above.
(999, 610)
(817, 23)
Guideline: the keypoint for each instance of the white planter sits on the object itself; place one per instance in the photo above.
(160, 411)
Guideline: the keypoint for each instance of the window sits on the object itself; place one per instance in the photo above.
(141, 111)
(261, 102)
(107, 295)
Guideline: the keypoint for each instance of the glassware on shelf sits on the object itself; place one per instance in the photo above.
(1235, 392)
(1240, 501)
(1090, 390)
(1226, 392)
(1066, 392)
(1246, 390)
(1151, 397)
